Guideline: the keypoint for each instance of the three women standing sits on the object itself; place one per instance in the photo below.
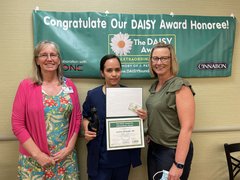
(46, 119)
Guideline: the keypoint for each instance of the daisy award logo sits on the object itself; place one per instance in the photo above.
(121, 44)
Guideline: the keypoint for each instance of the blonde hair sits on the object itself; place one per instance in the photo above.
(37, 75)
(174, 64)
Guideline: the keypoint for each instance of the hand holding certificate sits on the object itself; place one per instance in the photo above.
(124, 127)
(134, 107)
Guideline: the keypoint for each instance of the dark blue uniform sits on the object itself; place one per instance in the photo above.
(103, 164)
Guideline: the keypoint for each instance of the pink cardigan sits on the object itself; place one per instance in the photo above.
(28, 115)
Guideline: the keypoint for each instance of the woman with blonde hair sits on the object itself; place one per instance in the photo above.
(46, 119)
(171, 115)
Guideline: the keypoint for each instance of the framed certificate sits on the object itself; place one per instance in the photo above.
(124, 127)
(125, 133)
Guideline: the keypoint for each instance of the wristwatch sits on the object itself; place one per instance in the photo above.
(179, 165)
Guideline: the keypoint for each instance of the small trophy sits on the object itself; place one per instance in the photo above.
(93, 124)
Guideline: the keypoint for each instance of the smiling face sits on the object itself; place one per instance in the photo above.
(112, 72)
(161, 62)
(48, 59)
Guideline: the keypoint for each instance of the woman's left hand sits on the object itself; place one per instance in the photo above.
(175, 173)
(142, 113)
(62, 154)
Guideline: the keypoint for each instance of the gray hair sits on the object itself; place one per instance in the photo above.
(37, 74)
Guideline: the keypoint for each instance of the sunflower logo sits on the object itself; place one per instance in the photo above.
(121, 44)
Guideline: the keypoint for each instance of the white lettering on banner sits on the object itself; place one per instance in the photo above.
(136, 71)
(152, 41)
(135, 24)
(118, 24)
(143, 24)
(80, 23)
(146, 50)
(198, 25)
(139, 42)
(173, 25)
(204, 66)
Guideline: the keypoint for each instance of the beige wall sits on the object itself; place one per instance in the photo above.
(217, 99)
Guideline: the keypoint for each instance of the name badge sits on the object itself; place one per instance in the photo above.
(67, 89)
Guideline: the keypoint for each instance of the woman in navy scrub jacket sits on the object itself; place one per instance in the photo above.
(103, 164)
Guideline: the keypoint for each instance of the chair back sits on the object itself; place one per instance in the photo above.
(233, 162)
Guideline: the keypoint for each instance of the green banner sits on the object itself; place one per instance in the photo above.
(204, 44)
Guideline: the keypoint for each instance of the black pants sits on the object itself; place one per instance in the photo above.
(120, 173)
(161, 158)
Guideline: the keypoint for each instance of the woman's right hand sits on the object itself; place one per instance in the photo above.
(89, 135)
(44, 160)
(142, 113)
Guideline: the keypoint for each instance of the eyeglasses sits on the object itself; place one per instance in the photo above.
(45, 56)
(163, 59)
